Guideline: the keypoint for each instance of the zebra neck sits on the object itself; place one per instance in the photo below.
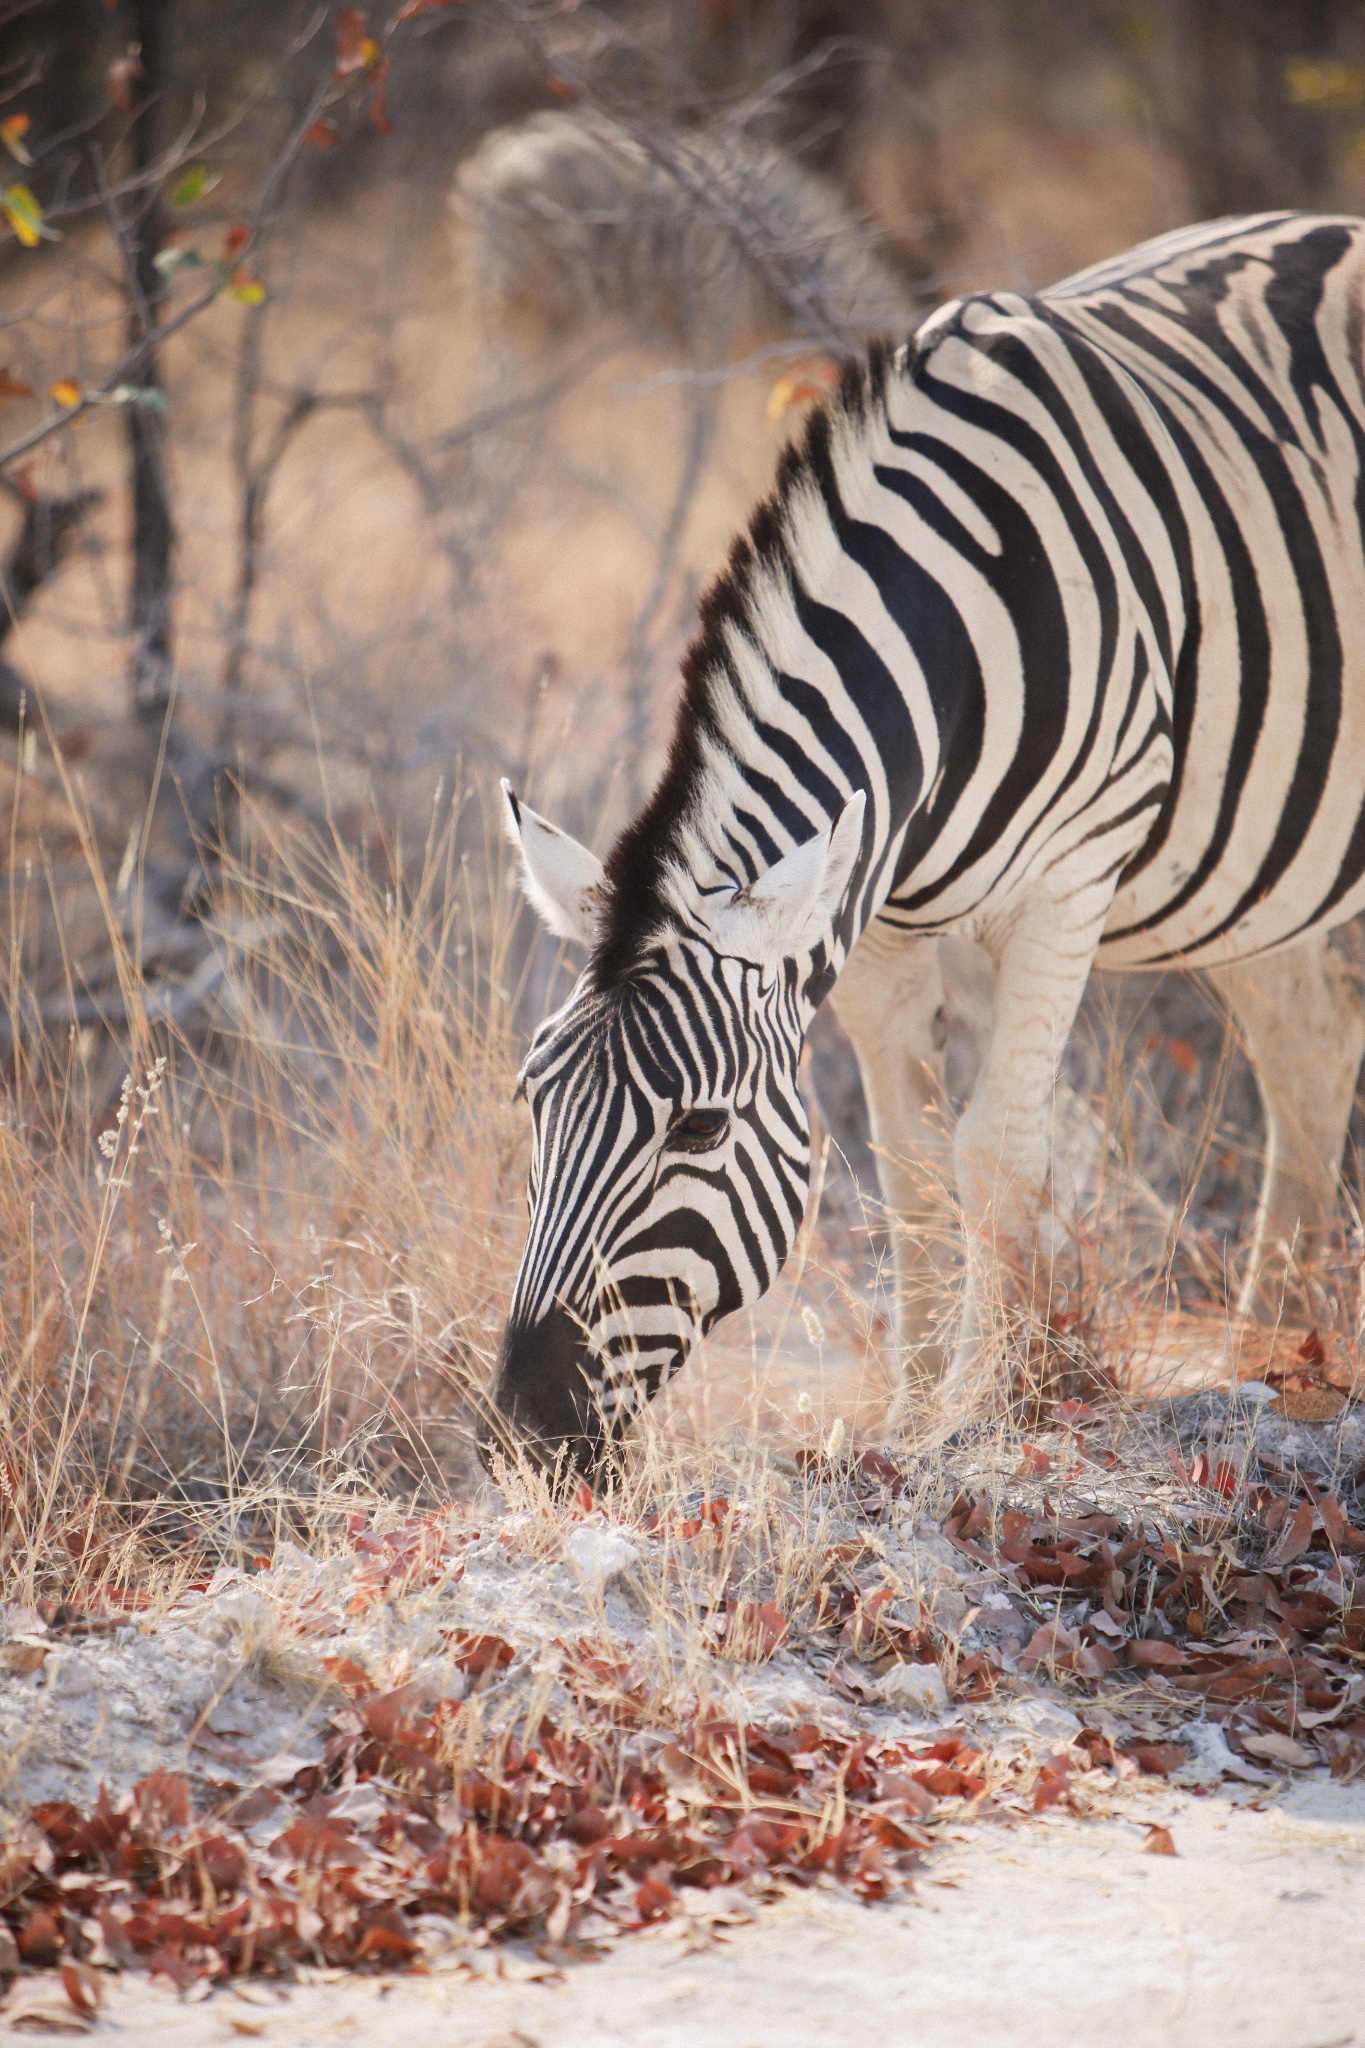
(776, 688)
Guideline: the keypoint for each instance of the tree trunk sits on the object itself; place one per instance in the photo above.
(1250, 146)
(153, 529)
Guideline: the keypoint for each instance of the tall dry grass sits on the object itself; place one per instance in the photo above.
(268, 1268)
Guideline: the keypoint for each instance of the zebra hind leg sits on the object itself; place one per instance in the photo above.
(889, 999)
(1302, 1025)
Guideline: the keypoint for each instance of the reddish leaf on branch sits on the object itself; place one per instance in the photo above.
(356, 49)
(413, 8)
(12, 133)
(123, 75)
(379, 112)
(324, 134)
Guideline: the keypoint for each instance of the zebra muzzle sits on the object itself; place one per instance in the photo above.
(546, 1399)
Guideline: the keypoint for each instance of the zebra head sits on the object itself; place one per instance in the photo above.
(670, 1156)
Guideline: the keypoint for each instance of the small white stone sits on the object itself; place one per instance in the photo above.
(1211, 1759)
(916, 1688)
(601, 1555)
(73, 1678)
(1047, 1720)
(361, 1805)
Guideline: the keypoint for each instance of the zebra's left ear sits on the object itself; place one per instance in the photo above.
(790, 909)
(563, 881)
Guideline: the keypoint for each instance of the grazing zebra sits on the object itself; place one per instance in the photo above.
(1051, 633)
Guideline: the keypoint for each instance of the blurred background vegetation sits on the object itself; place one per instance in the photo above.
(377, 392)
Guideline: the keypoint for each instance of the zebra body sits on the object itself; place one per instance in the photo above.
(1050, 635)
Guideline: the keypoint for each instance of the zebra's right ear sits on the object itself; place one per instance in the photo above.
(561, 880)
(787, 910)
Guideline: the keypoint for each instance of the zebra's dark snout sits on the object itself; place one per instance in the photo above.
(544, 1395)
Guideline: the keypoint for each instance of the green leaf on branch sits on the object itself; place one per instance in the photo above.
(146, 395)
(25, 216)
(195, 183)
(169, 261)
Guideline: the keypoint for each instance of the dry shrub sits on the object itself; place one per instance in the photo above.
(268, 1269)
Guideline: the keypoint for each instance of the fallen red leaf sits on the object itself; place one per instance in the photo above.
(1150, 1655)
(40, 1940)
(1159, 1842)
(1157, 1759)
(753, 1632)
(1295, 1539)
(654, 1900)
(82, 1986)
(1075, 1414)
(353, 1679)
(477, 1654)
(387, 1939)
(1052, 1785)
(162, 1800)
(872, 1465)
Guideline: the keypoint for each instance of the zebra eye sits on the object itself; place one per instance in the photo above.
(698, 1130)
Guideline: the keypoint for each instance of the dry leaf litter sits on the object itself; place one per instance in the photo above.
(463, 1728)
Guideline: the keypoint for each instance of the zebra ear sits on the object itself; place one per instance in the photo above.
(790, 909)
(561, 880)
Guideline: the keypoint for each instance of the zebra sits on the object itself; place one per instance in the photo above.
(1043, 637)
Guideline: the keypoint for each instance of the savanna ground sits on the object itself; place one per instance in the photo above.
(1055, 1729)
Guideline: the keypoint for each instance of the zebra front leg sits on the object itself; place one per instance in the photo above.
(1003, 1146)
(890, 1001)
(1302, 1025)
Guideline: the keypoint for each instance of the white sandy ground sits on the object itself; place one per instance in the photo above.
(1055, 1933)
(1052, 1930)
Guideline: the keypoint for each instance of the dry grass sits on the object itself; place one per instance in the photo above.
(268, 1268)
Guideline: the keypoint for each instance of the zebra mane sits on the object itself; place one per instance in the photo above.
(644, 865)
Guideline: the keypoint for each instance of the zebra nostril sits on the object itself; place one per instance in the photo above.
(546, 1395)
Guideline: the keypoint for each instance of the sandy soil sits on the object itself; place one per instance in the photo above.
(1048, 1929)
(1059, 1932)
